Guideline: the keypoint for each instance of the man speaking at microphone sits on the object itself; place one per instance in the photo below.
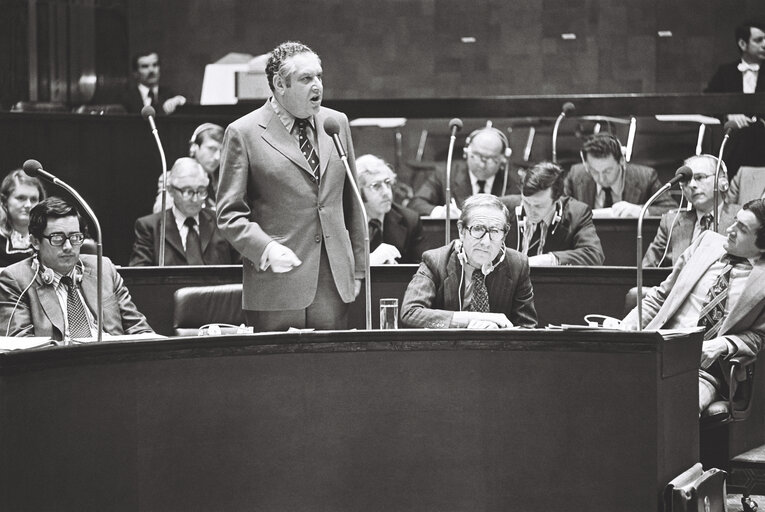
(285, 203)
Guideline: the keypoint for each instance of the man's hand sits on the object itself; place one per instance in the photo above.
(711, 350)
(384, 254)
(488, 321)
(625, 209)
(741, 120)
(439, 212)
(356, 287)
(173, 103)
(281, 259)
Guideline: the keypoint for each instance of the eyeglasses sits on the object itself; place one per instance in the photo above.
(478, 231)
(189, 193)
(57, 239)
(483, 159)
(698, 178)
(377, 186)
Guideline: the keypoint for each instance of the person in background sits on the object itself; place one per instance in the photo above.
(19, 193)
(145, 90)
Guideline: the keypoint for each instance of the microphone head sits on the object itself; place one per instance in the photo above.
(31, 167)
(568, 107)
(730, 126)
(455, 124)
(331, 126)
(685, 173)
(148, 111)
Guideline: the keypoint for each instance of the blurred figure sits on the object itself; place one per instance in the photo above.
(747, 184)
(18, 194)
(395, 232)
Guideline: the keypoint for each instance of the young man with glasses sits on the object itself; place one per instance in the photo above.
(474, 282)
(191, 233)
(395, 232)
(54, 293)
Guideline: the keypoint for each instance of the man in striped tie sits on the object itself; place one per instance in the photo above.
(717, 284)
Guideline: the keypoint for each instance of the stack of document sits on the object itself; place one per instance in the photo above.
(8, 344)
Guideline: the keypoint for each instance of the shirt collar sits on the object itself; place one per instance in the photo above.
(287, 119)
(145, 90)
(180, 218)
(487, 187)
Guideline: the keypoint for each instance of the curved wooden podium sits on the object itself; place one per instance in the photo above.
(378, 420)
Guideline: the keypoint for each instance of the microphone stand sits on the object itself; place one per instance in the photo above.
(163, 217)
(715, 215)
(452, 138)
(555, 136)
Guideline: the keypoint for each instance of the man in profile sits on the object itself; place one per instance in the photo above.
(146, 91)
(549, 228)
(191, 233)
(54, 293)
(605, 180)
(483, 171)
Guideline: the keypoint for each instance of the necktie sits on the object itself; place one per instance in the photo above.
(193, 245)
(481, 184)
(375, 234)
(480, 300)
(536, 235)
(307, 148)
(75, 311)
(608, 201)
(712, 313)
(152, 97)
(706, 222)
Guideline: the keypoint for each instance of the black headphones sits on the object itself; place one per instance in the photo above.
(722, 183)
(613, 141)
(520, 217)
(193, 144)
(505, 152)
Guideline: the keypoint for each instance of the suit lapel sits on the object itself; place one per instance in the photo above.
(683, 233)
(462, 186)
(205, 229)
(89, 288)
(50, 304)
(326, 145)
(589, 189)
(277, 136)
(754, 293)
(497, 284)
(172, 236)
(394, 232)
(452, 283)
(631, 190)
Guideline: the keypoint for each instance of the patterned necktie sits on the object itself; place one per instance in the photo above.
(375, 234)
(481, 186)
(193, 245)
(608, 201)
(480, 300)
(712, 314)
(706, 222)
(307, 148)
(75, 311)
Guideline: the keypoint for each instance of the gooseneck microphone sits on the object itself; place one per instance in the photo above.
(730, 127)
(455, 125)
(148, 113)
(684, 173)
(332, 128)
(567, 109)
(34, 168)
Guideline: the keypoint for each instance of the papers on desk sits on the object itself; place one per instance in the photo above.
(9, 344)
(602, 213)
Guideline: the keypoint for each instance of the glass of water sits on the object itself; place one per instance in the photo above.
(388, 313)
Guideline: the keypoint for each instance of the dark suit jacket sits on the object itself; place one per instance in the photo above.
(728, 78)
(433, 293)
(682, 234)
(130, 98)
(402, 228)
(640, 183)
(574, 242)
(215, 249)
(39, 312)
(432, 193)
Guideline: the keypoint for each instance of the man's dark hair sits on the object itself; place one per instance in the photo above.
(136, 56)
(744, 31)
(280, 54)
(602, 145)
(542, 176)
(757, 207)
(51, 208)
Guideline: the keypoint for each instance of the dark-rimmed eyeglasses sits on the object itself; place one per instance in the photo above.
(58, 239)
(483, 159)
(190, 193)
(478, 231)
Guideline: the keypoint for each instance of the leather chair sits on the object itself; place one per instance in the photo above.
(739, 404)
(197, 306)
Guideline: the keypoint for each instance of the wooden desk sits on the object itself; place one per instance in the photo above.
(336, 421)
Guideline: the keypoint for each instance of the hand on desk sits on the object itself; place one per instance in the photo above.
(173, 103)
(439, 212)
(384, 254)
(476, 320)
(625, 209)
(543, 260)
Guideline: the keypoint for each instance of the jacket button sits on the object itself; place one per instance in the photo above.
(318, 239)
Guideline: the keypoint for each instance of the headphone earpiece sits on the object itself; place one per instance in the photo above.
(45, 274)
(557, 217)
(193, 149)
(520, 218)
(502, 138)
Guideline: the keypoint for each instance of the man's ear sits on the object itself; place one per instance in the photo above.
(741, 44)
(35, 242)
(279, 85)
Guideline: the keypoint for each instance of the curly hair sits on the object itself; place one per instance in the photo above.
(278, 57)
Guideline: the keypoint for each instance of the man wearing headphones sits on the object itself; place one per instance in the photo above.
(679, 228)
(485, 170)
(54, 293)
(551, 229)
(604, 180)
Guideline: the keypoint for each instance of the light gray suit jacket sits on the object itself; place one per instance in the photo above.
(747, 184)
(266, 192)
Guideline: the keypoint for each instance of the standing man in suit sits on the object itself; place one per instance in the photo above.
(395, 232)
(484, 170)
(285, 203)
(747, 147)
(551, 229)
(191, 233)
(604, 179)
(146, 89)
(678, 228)
(55, 292)
(716, 284)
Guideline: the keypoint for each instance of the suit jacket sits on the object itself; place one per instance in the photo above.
(574, 242)
(132, 100)
(728, 78)
(682, 234)
(640, 183)
(747, 184)
(434, 292)
(215, 248)
(402, 228)
(744, 326)
(433, 192)
(266, 192)
(39, 312)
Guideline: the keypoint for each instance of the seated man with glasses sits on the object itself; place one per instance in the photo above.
(191, 233)
(604, 180)
(474, 282)
(395, 232)
(54, 292)
(485, 170)
(679, 228)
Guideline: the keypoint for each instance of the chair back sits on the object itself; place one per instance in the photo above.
(195, 306)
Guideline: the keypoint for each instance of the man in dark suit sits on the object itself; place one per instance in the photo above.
(191, 233)
(484, 171)
(395, 232)
(285, 203)
(54, 293)
(604, 180)
(551, 229)
(747, 147)
(145, 90)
